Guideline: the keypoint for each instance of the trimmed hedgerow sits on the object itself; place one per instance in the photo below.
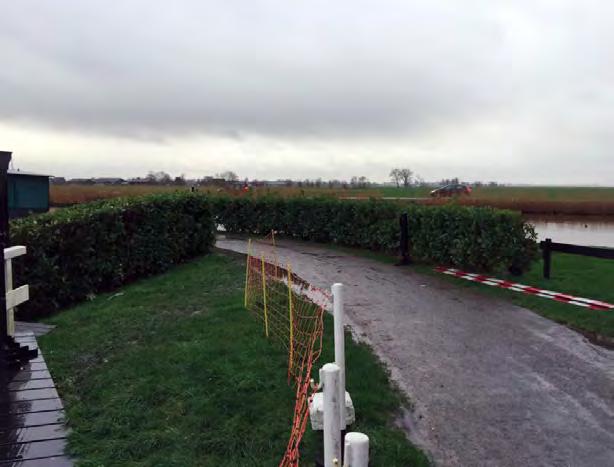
(80, 251)
(477, 238)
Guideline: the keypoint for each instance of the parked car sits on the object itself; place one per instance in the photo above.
(455, 189)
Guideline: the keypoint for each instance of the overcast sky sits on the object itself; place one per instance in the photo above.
(515, 91)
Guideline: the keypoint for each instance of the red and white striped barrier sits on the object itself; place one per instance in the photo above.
(559, 297)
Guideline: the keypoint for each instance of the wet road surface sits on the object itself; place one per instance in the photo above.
(493, 384)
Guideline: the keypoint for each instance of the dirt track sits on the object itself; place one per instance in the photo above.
(493, 384)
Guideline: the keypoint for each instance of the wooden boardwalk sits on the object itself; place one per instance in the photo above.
(32, 431)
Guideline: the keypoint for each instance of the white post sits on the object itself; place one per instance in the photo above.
(339, 317)
(329, 377)
(8, 282)
(356, 452)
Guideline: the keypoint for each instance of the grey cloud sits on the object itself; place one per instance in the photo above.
(451, 81)
(264, 67)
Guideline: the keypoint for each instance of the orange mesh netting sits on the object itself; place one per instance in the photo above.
(292, 314)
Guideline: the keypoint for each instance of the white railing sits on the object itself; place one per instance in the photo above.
(16, 296)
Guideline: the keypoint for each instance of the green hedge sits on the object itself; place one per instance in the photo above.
(77, 252)
(480, 239)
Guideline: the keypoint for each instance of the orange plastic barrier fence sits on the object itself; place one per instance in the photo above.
(292, 314)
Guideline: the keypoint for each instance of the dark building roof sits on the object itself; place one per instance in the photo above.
(30, 174)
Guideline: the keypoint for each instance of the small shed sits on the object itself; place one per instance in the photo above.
(28, 193)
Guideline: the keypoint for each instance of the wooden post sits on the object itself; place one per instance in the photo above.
(547, 256)
(12, 354)
(5, 159)
(404, 243)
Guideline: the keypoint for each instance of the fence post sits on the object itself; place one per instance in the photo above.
(266, 317)
(356, 453)
(290, 317)
(404, 243)
(329, 377)
(247, 265)
(338, 318)
(547, 256)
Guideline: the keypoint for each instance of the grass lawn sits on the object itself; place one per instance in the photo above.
(530, 193)
(172, 371)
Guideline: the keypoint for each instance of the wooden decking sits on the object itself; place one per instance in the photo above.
(32, 431)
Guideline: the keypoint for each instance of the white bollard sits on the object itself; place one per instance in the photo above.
(356, 453)
(339, 317)
(329, 377)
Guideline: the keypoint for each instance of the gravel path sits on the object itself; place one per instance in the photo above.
(494, 384)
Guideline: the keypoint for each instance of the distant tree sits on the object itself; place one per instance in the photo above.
(449, 181)
(399, 176)
(359, 182)
(180, 181)
(228, 175)
(405, 176)
(395, 175)
(158, 178)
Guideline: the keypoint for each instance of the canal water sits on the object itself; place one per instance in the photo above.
(578, 230)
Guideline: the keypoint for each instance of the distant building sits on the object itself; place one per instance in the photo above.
(57, 180)
(28, 193)
(81, 181)
(108, 181)
(275, 183)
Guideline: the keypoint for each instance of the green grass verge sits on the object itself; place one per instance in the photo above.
(173, 371)
(532, 193)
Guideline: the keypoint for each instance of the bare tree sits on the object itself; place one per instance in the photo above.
(419, 181)
(359, 182)
(228, 175)
(395, 175)
(158, 178)
(405, 176)
(401, 175)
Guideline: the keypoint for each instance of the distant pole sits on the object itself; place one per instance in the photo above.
(547, 256)
(404, 226)
(5, 160)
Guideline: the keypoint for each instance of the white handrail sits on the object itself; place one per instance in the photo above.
(17, 296)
